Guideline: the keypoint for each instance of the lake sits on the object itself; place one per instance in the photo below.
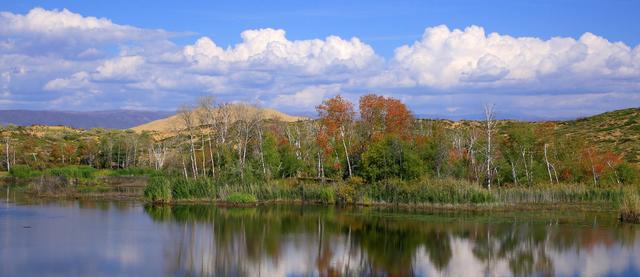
(97, 238)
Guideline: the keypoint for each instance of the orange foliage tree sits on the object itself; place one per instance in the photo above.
(336, 117)
(385, 115)
(597, 162)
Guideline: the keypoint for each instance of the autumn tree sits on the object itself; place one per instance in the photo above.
(336, 116)
(384, 116)
(598, 162)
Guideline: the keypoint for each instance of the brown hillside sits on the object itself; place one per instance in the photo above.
(174, 123)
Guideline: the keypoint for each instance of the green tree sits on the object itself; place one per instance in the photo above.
(390, 158)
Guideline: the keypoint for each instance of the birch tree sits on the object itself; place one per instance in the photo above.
(336, 114)
(209, 120)
(187, 115)
(490, 122)
(8, 159)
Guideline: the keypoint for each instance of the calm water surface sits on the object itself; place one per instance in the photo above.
(94, 238)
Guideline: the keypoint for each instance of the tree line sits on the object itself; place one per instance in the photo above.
(377, 140)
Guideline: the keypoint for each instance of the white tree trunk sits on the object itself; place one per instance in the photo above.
(546, 160)
(6, 143)
(490, 123)
(346, 152)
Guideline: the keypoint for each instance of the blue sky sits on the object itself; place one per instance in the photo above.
(547, 59)
(382, 24)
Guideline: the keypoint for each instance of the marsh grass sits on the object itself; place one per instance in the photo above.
(630, 206)
(241, 198)
(158, 190)
(558, 193)
(394, 191)
(72, 172)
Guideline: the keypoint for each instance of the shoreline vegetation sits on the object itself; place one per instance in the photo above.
(378, 154)
(424, 194)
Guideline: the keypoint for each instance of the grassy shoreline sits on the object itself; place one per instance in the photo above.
(425, 193)
(462, 207)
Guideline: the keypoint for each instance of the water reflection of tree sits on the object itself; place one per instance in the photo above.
(522, 245)
(245, 241)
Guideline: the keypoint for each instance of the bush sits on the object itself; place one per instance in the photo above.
(320, 193)
(355, 181)
(627, 174)
(158, 190)
(346, 193)
(22, 171)
(241, 198)
(76, 172)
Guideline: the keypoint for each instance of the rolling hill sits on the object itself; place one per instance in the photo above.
(617, 130)
(174, 122)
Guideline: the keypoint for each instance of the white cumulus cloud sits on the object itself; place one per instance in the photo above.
(447, 72)
(269, 49)
(446, 58)
(63, 32)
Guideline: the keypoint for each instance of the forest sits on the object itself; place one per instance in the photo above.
(375, 151)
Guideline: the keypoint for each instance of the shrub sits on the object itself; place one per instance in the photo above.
(22, 171)
(76, 172)
(241, 198)
(356, 181)
(320, 193)
(346, 193)
(626, 173)
(158, 190)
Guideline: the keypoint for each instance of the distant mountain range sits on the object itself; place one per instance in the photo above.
(113, 119)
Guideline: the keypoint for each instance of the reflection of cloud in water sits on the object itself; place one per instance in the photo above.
(597, 261)
(125, 254)
(463, 263)
(199, 252)
(600, 260)
(96, 240)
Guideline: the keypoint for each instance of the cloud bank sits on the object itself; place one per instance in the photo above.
(58, 59)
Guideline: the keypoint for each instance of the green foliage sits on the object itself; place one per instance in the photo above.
(23, 171)
(558, 193)
(158, 190)
(425, 191)
(75, 172)
(320, 193)
(192, 189)
(627, 173)
(290, 163)
(390, 158)
(271, 155)
(241, 198)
